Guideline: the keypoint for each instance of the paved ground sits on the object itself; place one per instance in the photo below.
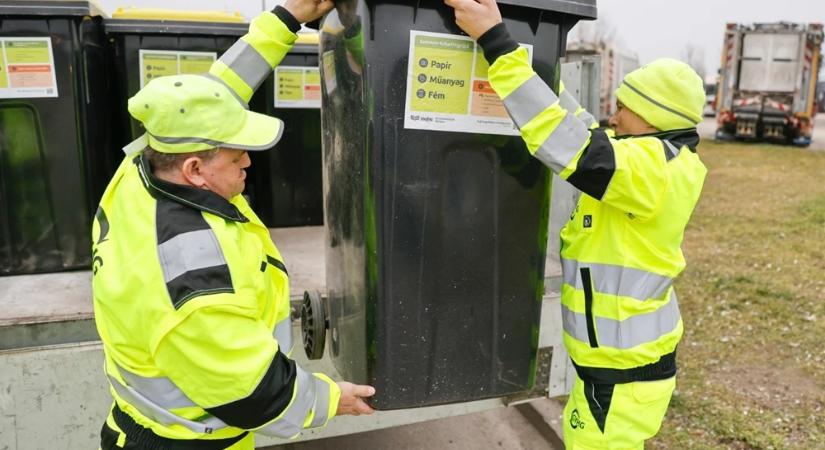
(707, 129)
(511, 428)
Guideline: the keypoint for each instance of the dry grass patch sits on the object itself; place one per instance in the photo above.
(752, 363)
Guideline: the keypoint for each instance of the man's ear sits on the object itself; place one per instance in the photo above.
(192, 171)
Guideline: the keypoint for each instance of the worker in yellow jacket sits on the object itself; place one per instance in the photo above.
(191, 296)
(621, 249)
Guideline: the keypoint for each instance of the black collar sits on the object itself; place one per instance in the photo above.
(186, 195)
(685, 137)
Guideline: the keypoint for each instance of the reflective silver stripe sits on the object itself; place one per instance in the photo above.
(187, 140)
(651, 100)
(158, 390)
(321, 406)
(529, 100)
(283, 334)
(639, 329)
(214, 143)
(189, 251)
(160, 415)
(617, 280)
(568, 102)
(291, 421)
(558, 151)
(245, 61)
(587, 119)
(631, 332)
(674, 152)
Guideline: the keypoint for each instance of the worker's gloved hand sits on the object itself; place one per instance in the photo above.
(475, 17)
(352, 399)
(308, 10)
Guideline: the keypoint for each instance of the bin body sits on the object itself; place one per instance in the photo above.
(284, 184)
(53, 133)
(436, 239)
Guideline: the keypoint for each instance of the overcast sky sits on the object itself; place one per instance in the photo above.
(650, 28)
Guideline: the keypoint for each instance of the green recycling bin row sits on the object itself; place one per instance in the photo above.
(66, 74)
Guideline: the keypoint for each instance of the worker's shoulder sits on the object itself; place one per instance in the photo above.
(190, 256)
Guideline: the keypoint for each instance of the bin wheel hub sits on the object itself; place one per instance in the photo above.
(313, 325)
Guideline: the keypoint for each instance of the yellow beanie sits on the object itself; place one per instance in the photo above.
(667, 93)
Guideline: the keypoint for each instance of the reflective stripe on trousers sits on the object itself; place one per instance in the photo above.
(155, 398)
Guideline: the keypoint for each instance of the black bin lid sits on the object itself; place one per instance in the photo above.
(72, 8)
(585, 9)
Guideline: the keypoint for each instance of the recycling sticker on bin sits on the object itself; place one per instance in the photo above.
(297, 87)
(159, 63)
(27, 68)
(447, 87)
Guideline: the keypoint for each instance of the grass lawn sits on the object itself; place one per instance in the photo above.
(752, 362)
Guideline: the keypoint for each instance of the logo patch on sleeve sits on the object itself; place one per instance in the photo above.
(587, 221)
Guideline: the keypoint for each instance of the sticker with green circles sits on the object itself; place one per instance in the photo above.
(297, 87)
(160, 63)
(447, 87)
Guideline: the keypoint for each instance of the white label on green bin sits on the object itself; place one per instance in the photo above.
(447, 87)
(27, 68)
(159, 63)
(297, 87)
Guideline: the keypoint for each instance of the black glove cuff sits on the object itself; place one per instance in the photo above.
(287, 18)
(497, 42)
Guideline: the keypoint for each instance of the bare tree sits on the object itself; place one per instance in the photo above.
(695, 57)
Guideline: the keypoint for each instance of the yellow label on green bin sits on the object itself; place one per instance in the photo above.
(448, 89)
(27, 52)
(441, 81)
(297, 87)
(290, 84)
(4, 79)
(27, 67)
(196, 64)
(160, 63)
(157, 65)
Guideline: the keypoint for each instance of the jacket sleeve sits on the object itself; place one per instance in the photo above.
(628, 174)
(228, 362)
(251, 59)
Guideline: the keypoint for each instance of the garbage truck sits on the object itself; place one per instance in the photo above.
(767, 84)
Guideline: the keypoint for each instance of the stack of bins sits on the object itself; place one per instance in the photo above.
(285, 183)
(53, 133)
(436, 239)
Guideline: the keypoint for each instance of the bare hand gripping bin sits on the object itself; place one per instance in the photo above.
(436, 239)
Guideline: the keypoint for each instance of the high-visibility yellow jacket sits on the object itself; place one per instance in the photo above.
(191, 296)
(621, 249)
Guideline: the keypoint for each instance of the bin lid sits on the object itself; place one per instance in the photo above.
(585, 9)
(175, 14)
(50, 8)
(150, 20)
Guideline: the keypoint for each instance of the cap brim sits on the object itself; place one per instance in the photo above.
(260, 132)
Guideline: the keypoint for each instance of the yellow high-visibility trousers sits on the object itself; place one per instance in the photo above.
(615, 416)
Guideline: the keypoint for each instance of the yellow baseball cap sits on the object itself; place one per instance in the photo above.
(667, 93)
(190, 113)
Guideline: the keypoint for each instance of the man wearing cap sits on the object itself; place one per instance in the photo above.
(621, 249)
(191, 296)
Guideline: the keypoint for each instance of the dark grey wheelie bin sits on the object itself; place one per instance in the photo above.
(436, 239)
(53, 133)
